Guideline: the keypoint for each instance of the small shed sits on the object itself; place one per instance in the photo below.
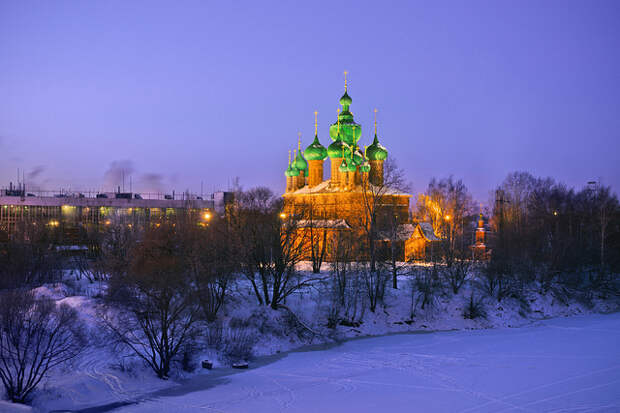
(415, 246)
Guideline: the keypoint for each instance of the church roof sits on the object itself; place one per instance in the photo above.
(324, 188)
(323, 223)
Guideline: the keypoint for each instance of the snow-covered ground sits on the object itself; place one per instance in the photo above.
(560, 365)
(444, 366)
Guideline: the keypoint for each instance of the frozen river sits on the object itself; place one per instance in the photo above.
(560, 365)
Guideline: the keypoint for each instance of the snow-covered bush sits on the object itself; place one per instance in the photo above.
(238, 344)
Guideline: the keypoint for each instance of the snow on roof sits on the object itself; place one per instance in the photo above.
(427, 231)
(403, 233)
(324, 187)
(323, 223)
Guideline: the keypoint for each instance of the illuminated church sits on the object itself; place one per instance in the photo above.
(339, 203)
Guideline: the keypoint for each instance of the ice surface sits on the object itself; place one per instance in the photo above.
(560, 365)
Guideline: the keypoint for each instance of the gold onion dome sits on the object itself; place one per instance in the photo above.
(376, 151)
(316, 151)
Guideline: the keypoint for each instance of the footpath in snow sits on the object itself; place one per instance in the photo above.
(560, 365)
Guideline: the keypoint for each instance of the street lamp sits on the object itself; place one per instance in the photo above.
(282, 215)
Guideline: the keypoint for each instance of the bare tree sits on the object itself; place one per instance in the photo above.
(211, 259)
(448, 205)
(270, 245)
(158, 310)
(378, 205)
(30, 257)
(374, 283)
(317, 239)
(35, 336)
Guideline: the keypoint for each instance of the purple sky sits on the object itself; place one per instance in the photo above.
(184, 92)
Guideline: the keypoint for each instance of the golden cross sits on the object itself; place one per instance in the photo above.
(316, 124)
(375, 121)
(299, 142)
(289, 157)
(339, 121)
(345, 80)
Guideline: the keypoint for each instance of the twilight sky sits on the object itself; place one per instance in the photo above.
(177, 93)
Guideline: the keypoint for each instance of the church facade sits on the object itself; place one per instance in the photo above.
(342, 204)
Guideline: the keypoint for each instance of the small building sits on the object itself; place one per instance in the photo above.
(479, 249)
(416, 245)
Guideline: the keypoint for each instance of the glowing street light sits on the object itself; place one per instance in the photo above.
(207, 216)
(447, 217)
(283, 215)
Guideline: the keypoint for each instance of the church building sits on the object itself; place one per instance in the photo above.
(342, 202)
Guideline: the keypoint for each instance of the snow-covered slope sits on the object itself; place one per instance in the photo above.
(104, 375)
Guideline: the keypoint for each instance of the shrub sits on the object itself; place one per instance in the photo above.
(474, 308)
(238, 345)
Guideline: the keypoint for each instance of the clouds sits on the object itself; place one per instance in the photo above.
(117, 173)
(122, 172)
(151, 182)
(34, 173)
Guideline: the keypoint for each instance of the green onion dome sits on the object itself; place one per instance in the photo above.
(336, 149)
(351, 166)
(288, 171)
(344, 167)
(345, 100)
(293, 171)
(365, 167)
(358, 158)
(376, 151)
(300, 163)
(316, 151)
